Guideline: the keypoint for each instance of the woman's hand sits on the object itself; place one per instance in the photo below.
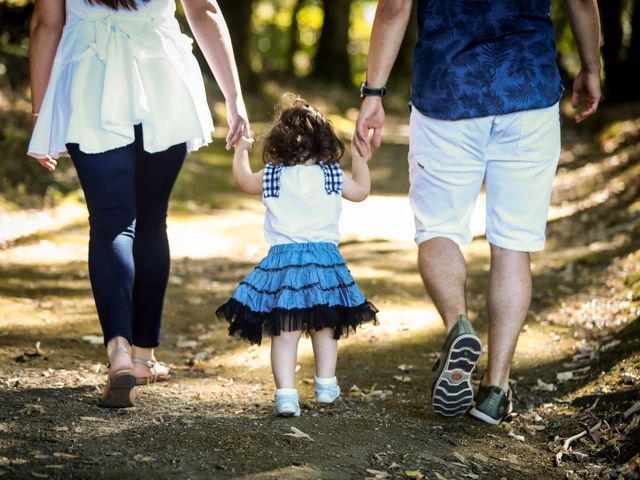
(48, 163)
(238, 122)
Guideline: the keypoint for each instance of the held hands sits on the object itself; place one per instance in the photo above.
(245, 143)
(238, 122)
(371, 117)
(355, 155)
(587, 85)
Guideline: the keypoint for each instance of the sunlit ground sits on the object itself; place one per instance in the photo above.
(211, 221)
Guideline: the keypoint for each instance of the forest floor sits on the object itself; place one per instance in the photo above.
(577, 366)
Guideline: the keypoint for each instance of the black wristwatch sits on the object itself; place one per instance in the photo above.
(366, 91)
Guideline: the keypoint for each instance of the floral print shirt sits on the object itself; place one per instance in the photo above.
(484, 57)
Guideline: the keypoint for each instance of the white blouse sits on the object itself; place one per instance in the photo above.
(304, 203)
(117, 68)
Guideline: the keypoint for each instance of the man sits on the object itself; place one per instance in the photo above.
(484, 106)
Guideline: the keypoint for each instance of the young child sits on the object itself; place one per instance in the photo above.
(303, 284)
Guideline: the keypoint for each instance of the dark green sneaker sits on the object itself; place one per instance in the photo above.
(451, 391)
(492, 404)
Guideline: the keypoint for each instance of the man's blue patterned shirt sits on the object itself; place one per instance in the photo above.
(484, 57)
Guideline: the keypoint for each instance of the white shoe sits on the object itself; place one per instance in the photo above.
(327, 389)
(287, 402)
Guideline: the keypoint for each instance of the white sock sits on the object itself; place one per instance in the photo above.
(286, 391)
(325, 381)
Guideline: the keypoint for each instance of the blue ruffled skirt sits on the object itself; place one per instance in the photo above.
(297, 286)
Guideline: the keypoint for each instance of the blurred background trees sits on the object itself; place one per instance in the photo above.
(326, 41)
(314, 47)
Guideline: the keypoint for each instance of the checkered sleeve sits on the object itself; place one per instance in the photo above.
(271, 180)
(332, 178)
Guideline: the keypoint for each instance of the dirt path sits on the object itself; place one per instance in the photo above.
(213, 419)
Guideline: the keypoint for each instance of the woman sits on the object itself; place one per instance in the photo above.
(115, 85)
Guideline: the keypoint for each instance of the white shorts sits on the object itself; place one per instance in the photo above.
(516, 154)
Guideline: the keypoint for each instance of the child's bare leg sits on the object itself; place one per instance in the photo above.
(325, 351)
(284, 354)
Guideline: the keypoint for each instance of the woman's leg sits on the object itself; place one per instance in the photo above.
(107, 180)
(325, 351)
(284, 356)
(155, 176)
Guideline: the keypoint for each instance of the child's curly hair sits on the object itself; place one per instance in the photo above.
(301, 133)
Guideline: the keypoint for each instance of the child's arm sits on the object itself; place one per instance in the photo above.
(357, 186)
(245, 179)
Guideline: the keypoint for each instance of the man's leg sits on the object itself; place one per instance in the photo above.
(444, 273)
(508, 299)
(521, 162)
(446, 168)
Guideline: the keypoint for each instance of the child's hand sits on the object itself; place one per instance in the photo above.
(245, 143)
(355, 155)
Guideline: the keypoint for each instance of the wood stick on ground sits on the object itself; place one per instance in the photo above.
(567, 443)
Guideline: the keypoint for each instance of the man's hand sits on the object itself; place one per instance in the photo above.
(586, 85)
(371, 117)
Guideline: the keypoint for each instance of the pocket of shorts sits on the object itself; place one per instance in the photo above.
(539, 132)
(433, 140)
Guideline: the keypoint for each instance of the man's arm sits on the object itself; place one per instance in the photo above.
(389, 26)
(585, 25)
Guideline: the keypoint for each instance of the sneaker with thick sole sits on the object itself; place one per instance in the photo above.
(492, 404)
(451, 391)
(287, 404)
(327, 391)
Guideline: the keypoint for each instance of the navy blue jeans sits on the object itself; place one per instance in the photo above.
(127, 193)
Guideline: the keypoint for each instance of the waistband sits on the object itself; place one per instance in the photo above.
(302, 247)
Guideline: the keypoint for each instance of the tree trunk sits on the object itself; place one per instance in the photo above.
(237, 14)
(610, 15)
(294, 36)
(331, 63)
(632, 63)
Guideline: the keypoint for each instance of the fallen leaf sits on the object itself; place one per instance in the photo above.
(520, 438)
(480, 457)
(64, 455)
(39, 475)
(632, 409)
(405, 368)
(413, 474)
(535, 428)
(378, 474)
(460, 457)
(610, 345)
(186, 344)
(440, 477)
(297, 433)
(564, 376)
(93, 419)
(543, 386)
(94, 339)
(402, 378)
(143, 458)
(30, 408)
